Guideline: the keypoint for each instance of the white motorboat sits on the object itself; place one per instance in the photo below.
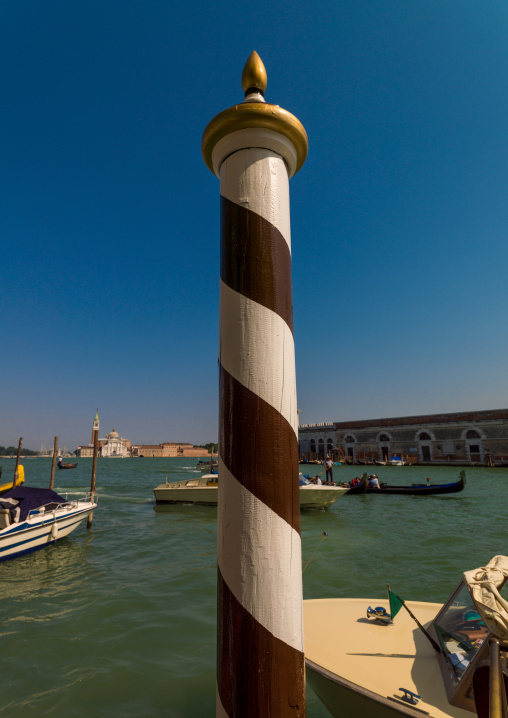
(32, 518)
(204, 490)
(359, 662)
(397, 461)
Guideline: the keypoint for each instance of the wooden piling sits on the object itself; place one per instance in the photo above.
(53, 462)
(17, 462)
(94, 465)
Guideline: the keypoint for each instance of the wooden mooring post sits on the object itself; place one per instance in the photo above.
(95, 441)
(53, 462)
(17, 462)
(255, 148)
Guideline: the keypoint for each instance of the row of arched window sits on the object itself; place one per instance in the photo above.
(422, 436)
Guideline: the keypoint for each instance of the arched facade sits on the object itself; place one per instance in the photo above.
(424, 440)
(384, 440)
(350, 446)
(474, 445)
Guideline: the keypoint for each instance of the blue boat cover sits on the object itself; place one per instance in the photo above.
(26, 499)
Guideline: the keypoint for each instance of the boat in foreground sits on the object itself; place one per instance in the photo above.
(359, 666)
(31, 518)
(416, 489)
(204, 490)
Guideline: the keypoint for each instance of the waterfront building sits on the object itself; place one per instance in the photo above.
(168, 449)
(475, 437)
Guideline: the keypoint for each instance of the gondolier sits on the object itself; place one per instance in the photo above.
(328, 465)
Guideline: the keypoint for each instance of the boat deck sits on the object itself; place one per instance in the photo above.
(364, 658)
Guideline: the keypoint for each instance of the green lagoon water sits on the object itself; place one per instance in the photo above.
(120, 621)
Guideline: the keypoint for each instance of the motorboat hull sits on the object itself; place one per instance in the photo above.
(347, 701)
(320, 497)
(311, 496)
(206, 495)
(358, 667)
(41, 530)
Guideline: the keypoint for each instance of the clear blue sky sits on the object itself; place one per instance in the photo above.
(109, 218)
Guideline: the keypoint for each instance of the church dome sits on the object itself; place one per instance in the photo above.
(113, 435)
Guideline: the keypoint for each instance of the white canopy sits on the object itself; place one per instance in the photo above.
(483, 584)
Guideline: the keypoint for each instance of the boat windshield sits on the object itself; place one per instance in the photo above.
(461, 632)
(303, 480)
(473, 613)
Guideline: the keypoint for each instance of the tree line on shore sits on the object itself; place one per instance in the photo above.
(13, 450)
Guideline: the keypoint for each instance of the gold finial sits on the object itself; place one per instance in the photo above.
(254, 74)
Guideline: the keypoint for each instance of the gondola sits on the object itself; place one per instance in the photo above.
(67, 466)
(412, 490)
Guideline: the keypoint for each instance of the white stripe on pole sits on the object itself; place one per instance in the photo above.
(257, 349)
(259, 577)
(257, 179)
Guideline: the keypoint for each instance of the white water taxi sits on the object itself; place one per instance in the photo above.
(360, 663)
(32, 518)
(204, 490)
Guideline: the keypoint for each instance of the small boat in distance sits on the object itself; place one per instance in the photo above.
(204, 490)
(428, 489)
(61, 465)
(208, 466)
(428, 660)
(31, 518)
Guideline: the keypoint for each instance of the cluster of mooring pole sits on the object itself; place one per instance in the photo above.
(254, 148)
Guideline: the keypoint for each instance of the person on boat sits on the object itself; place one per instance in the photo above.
(328, 466)
(60, 461)
(373, 482)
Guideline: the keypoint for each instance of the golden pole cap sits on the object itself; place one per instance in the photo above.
(254, 123)
(254, 74)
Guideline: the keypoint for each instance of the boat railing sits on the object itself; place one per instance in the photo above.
(81, 498)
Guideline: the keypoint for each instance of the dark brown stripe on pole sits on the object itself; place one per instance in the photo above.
(259, 447)
(255, 259)
(255, 670)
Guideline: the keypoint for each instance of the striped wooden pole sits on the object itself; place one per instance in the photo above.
(255, 148)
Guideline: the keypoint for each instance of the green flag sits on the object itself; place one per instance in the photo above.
(395, 603)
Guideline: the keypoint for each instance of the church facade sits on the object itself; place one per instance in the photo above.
(113, 445)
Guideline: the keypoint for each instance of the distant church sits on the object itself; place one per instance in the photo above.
(113, 445)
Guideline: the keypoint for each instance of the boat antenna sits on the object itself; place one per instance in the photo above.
(319, 544)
